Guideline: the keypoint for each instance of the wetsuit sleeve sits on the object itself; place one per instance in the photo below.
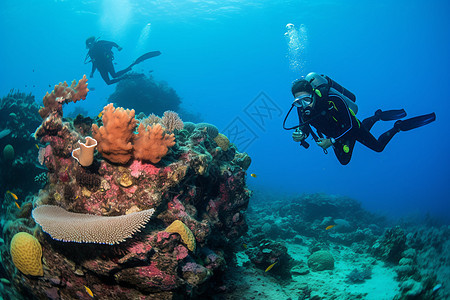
(112, 44)
(93, 69)
(341, 114)
(107, 44)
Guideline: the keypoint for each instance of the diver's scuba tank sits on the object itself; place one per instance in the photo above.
(319, 81)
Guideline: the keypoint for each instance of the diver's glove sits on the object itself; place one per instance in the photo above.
(298, 135)
(325, 143)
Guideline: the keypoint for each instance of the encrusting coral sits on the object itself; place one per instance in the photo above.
(222, 141)
(84, 228)
(152, 143)
(26, 253)
(186, 234)
(115, 136)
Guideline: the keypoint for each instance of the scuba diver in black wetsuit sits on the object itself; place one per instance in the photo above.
(331, 110)
(101, 55)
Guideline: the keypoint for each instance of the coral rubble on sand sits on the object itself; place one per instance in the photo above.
(184, 176)
(361, 257)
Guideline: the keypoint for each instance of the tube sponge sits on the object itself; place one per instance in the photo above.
(26, 253)
(186, 234)
(85, 153)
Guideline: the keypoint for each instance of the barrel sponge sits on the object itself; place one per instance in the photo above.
(222, 141)
(186, 234)
(26, 253)
(84, 228)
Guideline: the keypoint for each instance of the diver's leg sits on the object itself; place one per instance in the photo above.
(387, 115)
(370, 121)
(106, 78)
(368, 140)
(120, 73)
(115, 74)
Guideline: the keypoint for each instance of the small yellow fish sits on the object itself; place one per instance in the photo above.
(13, 195)
(100, 115)
(253, 175)
(17, 204)
(271, 266)
(88, 290)
(244, 245)
(329, 227)
(37, 146)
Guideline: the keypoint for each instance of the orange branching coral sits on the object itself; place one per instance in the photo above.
(152, 143)
(63, 93)
(115, 136)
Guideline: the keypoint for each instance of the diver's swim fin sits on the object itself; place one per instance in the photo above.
(146, 56)
(390, 115)
(408, 124)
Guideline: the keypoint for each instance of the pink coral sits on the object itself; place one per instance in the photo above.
(152, 143)
(138, 168)
(115, 136)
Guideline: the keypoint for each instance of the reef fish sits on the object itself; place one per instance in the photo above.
(88, 290)
(253, 175)
(13, 195)
(436, 288)
(271, 266)
(329, 227)
(17, 204)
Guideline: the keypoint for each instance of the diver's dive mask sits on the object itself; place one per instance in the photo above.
(303, 101)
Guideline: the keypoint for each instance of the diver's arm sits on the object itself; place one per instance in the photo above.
(325, 143)
(299, 135)
(109, 44)
(341, 113)
(302, 132)
(116, 46)
(92, 70)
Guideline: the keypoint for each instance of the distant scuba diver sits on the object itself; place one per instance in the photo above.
(101, 55)
(331, 110)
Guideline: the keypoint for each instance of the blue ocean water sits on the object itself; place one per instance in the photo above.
(227, 58)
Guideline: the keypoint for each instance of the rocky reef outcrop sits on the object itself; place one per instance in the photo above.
(195, 182)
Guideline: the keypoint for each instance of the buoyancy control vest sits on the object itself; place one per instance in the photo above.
(323, 82)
